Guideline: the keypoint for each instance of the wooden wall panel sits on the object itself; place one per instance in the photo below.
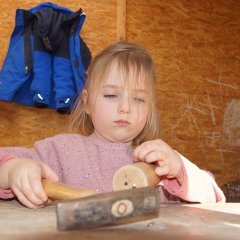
(21, 125)
(99, 29)
(195, 46)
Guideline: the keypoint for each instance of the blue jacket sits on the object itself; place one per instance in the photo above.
(46, 59)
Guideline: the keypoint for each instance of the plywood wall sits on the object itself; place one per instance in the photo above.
(195, 46)
(21, 125)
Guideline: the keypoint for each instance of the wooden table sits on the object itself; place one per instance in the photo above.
(175, 221)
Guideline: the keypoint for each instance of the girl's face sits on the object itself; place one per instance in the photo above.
(120, 111)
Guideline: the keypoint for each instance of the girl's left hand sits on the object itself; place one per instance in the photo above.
(168, 161)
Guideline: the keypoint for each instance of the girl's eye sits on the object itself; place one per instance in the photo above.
(139, 100)
(110, 96)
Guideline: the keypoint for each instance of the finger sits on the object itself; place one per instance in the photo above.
(160, 163)
(22, 199)
(162, 171)
(156, 156)
(36, 185)
(48, 173)
(29, 193)
(151, 153)
(156, 144)
(143, 150)
(137, 150)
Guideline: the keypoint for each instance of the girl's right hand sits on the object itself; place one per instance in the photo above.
(24, 179)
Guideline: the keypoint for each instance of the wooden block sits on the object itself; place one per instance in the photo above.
(107, 208)
(135, 175)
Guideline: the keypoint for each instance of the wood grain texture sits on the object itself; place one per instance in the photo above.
(61, 191)
(131, 176)
(22, 126)
(187, 222)
(121, 20)
(99, 29)
(195, 46)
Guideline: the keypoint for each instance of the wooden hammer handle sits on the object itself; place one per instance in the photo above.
(61, 191)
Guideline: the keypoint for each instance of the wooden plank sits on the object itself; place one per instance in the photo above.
(99, 28)
(121, 20)
(174, 221)
(196, 52)
(220, 207)
(23, 125)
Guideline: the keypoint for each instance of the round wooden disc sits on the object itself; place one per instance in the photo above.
(135, 175)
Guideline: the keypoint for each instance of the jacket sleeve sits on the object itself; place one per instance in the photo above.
(198, 185)
(43, 150)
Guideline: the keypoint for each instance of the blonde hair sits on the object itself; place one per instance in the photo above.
(131, 59)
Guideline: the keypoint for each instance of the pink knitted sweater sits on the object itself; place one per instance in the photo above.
(90, 162)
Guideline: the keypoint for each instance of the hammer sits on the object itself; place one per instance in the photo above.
(134, 197)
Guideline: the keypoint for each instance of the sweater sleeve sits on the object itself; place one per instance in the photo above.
(6, 193)
(43, 150)
(198, 185)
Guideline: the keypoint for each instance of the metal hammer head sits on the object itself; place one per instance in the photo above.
(107, 208)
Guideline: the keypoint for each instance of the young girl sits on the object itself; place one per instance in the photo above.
(117, 118)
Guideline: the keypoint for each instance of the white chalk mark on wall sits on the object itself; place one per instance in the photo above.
(231, 124)
(221, 154)
(222, 84)
(187, 112)
(211, 108)
(211, 138)
(221, 151)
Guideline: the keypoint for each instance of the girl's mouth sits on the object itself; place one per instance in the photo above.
(122, 123)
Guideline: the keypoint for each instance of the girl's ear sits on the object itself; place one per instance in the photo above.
(85, 100)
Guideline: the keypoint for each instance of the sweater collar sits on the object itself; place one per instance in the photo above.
(108, 144)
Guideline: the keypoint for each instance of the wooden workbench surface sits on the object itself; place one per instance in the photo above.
(175, 221)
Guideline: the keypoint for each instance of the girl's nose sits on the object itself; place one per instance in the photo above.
(124, 105)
